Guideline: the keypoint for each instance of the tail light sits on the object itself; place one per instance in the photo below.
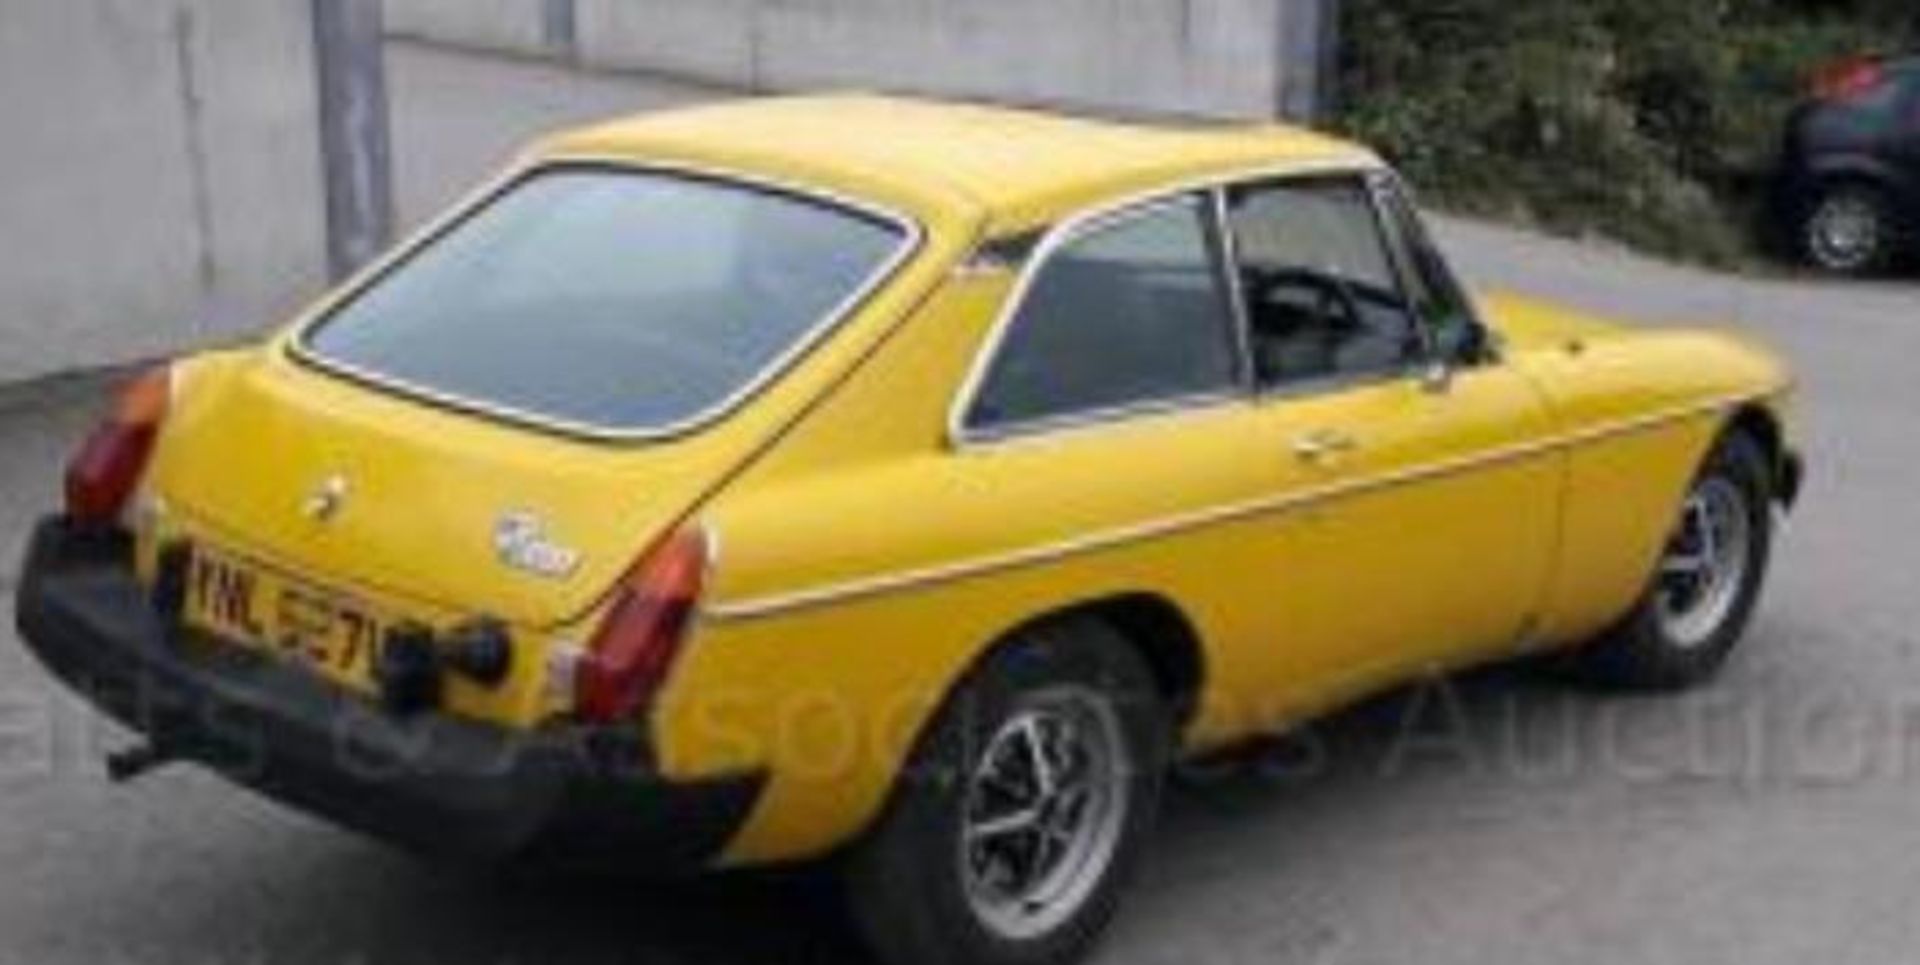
(1847, 79)
(104, 474)
(642, 632)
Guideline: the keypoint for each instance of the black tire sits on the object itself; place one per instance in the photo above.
(906, 881)
(1850, 228)
(1644, 651)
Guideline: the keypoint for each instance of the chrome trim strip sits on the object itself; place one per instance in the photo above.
(772, 604)
(1052, 426)
(1405, 275)
(1104, 214)
(912, 241)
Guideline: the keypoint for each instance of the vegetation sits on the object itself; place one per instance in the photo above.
(1652, 122)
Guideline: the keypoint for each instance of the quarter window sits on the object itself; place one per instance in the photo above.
(1132, 313)
(1323, 300)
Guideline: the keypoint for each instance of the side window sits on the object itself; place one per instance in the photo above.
(1436, 296)
(1134, 312)
(1323, 299)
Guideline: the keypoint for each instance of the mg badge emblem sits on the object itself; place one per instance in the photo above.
(520, 542)
(327, 500)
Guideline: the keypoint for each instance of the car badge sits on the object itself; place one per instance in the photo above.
(327, 500)
(520, 542)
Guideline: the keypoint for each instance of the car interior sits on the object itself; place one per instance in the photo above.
(1321, 293)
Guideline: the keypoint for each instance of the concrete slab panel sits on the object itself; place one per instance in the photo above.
(517, 26)
(715, 41)
(160, 184)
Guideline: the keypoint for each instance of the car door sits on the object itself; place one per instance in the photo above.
(1419, 514)
(1106, 431)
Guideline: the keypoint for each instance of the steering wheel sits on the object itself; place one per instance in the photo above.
(1334, 298)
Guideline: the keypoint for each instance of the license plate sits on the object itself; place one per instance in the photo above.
(264, 610)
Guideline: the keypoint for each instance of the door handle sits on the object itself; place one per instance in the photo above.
(1323, 446)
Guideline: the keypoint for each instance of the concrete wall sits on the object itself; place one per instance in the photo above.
(1220, 58)
(159, 176)
(517, 26)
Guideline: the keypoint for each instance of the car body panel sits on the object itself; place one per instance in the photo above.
(866, 555)
(1636, 412)
(1027, 169)
(912, 567)
(259, 433)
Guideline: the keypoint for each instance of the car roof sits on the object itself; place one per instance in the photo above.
(1021, 168)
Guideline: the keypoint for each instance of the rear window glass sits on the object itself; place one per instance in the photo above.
(612, 302)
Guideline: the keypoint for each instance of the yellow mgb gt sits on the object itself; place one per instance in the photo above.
(895, 483)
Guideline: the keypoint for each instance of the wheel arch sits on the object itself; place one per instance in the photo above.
(1155, 627)
(1764, 426)
(1825, 173)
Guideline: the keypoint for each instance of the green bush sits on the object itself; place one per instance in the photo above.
(1646, 121)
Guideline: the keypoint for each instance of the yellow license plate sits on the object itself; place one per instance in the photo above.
(264, 610)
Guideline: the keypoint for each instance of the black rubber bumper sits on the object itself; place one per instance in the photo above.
(571, 796)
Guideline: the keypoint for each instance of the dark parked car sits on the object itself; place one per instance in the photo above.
(1849, 180)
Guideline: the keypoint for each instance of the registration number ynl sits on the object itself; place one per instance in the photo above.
(261, 609)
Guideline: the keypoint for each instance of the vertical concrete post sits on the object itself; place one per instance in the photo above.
(560, 28)
(356, 151)
(1309, 58)
(1329, 62)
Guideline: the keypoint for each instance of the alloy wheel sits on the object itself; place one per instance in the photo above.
(1845, 232)
(1705, 563)
(1043, 813)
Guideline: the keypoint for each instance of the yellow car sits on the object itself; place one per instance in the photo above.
(893, 482)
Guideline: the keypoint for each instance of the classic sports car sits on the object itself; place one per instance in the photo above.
(892, 482)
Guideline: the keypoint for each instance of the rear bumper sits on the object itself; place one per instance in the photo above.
(459, 790)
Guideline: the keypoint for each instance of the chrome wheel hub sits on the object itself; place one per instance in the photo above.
(1705, 563)
(1844, 233)
(1043, 813)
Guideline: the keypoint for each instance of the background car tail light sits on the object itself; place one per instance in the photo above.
(103, 475)
(643, 630)
(1847, 79)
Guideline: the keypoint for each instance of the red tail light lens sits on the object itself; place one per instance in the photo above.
(641, 634)
(103, 475)
(1848, 79)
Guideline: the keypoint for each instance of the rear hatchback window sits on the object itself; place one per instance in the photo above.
(611, 302)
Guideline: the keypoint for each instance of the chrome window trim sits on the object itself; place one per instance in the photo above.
(1373, 184)
(1068, 422)
(856, 588)
(1229, 243)
(912, 241)
(1385, 185)
(959, 435)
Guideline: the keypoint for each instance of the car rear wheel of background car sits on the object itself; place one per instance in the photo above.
(1023, 811)
(1849, 229)
(1702, 594)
